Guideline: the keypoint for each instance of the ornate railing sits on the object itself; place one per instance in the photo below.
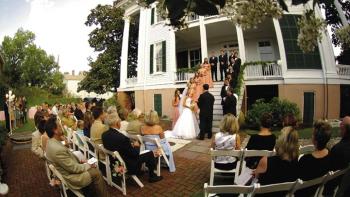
(343, 71)
(263, 71)
(183, 76)
(192, 17)
(131, 81)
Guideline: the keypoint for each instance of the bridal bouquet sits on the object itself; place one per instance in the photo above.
(118, 169)
(192, 106)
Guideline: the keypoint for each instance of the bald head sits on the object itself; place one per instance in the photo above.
(345, 127)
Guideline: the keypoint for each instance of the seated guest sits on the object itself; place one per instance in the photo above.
(153, 130)
(80, 131)
(68, 120)
(284, 166)
(113, 140)
(78, 113)
(227, 139)
(88, 120)
(135, 122)
(36, 136)
(317, 163)
(124, 123)
(77, 175)
(98, 128)
(340, 156)
(264, 140)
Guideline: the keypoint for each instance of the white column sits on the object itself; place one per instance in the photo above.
(281, 48)
(241, 45)
(124, 57)
(171, 55)
(141, 46)
(203, 34)
(341, 13)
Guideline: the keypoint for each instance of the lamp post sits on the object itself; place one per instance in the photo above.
(10, 97)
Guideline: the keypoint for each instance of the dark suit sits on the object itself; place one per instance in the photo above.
(79, 114)
(230, 105)
(7, 116)
(113, 140)
(236, 71)
(213, 61)
(230, 59)
(206, 104)
(223, 65)
(223, 94)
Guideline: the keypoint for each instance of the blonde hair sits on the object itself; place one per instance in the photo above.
(287, 144)
(80, 124)
(229, 124)
(151, 118)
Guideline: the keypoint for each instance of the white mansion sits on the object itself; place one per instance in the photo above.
(313, 81)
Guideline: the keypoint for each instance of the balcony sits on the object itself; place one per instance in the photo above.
(131, 81)
(343, 71)
(183, 76)
(266, 71)
(192, 17)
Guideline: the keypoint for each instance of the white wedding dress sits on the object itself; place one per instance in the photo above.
(186, 126)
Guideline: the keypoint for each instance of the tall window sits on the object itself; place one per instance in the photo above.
(158, 57)
(195, 57)
(296, 59)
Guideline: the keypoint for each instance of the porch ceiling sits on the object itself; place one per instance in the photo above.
(264, 29)
(190, 36)
(219, 30)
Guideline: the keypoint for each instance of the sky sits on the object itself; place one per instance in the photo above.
(58, 25)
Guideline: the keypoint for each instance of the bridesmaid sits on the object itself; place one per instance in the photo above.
(176, 101)
(207, 77)
(199, 84)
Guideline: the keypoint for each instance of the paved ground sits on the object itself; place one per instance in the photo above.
(27, 176)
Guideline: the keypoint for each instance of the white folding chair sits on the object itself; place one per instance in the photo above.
(227, 189)
(70, 136)
(64, 183)
(116, 155)
(289, 187)
(81, 147)
(332, 175)
(232, 153)
(90, 147)
(156, 141)
(105, 175)
(254, 153)
(314, 182)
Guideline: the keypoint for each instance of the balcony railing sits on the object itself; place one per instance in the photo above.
(343, 71)
(131, 81)
(192, 17)
(267, 71)
(183, 77)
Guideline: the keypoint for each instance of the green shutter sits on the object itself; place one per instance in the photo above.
(152, 16)
(151, 59)
(164, 56)
(158, 104)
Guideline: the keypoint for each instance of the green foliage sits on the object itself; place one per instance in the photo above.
(188, 70)
(27, 127)
(278, 108)
(107, 39)
(26, 63)
(36, 96)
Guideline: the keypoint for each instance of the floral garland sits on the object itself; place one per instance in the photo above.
(249, 13)
(310, 30)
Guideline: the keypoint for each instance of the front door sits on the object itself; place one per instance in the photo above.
(309, 108)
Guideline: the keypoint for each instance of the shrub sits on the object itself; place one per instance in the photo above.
(278, 108)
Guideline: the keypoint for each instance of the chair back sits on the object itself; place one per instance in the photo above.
(258, 153)
(227, 189)
(232, 153)
(289, 187)
(306, 149)
(91, 147)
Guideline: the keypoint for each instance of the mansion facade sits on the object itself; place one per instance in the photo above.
(313, 81)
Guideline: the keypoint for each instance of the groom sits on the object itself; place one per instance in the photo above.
(205, 104)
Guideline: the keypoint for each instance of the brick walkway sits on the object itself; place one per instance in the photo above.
(26, 174)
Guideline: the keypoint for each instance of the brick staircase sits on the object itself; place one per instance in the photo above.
(217, 113)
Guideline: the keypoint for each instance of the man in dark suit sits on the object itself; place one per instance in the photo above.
(113, 140)
(7, 115)
(223, 93)
(213, 62)
(230, 103)
(232, 57)
(223, 64)
(205, 104)
(236, 70)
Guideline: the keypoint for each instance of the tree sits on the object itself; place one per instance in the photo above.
(26, 63)
(107, 38)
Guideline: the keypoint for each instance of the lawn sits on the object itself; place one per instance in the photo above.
(29, 126)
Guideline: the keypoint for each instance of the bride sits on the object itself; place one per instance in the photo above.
(186, 126)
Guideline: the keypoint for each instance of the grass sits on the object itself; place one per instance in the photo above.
(305, 133)
(29, 126)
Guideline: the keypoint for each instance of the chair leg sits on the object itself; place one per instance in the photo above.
(137, 180)
(158, 167)
(211, 181)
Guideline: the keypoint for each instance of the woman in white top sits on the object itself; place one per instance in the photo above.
(227, 139)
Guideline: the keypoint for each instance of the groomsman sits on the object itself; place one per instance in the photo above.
(231, 58)
(236, 70)
(223, 64)
(230, 103)
(223, 93)
(213, 62)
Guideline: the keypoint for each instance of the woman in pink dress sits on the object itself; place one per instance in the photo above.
(176, 101)
(207, 77)
(199, 88)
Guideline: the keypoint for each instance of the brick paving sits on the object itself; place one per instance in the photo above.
(26, 175)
